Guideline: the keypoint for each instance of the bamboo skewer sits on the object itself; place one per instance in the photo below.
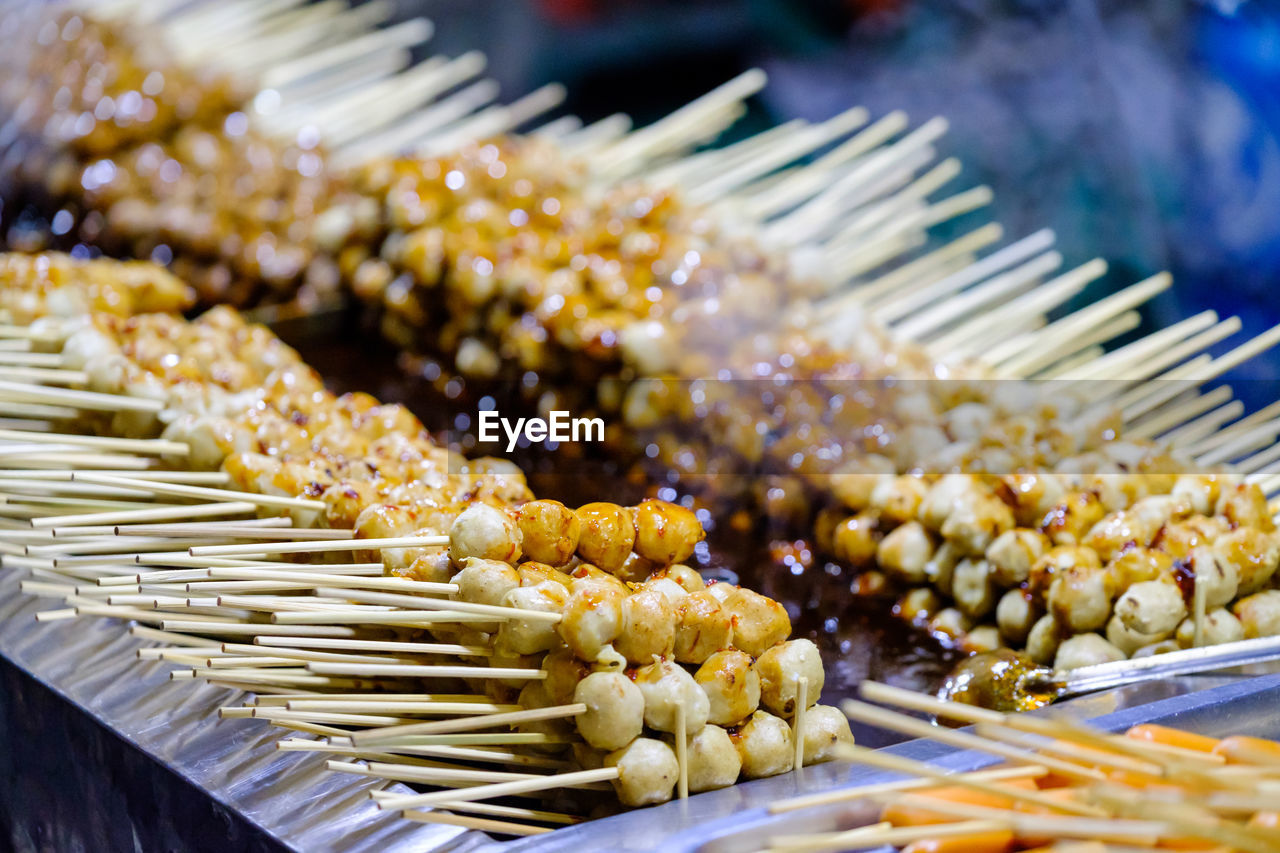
(918, 728)
(206, 492)
(502, 789)
(879, 835)
(841, 795)
(320, 547)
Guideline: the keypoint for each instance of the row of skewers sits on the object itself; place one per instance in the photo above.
(1074, 568)
(580, 627)
(402, 243)
(1059, 785)
(512, 260)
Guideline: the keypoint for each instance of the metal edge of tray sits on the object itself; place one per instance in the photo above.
(78, 710)
(104, 750)
(736, 819)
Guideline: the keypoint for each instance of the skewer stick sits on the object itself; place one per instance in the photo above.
(510, 811)
(284, 700)
(963, 740)
(498, 827)
(880, 835)
(1067, 749)
(797, 725)
(395, 670)
(1262, 435)
(186, 491)
(31, 359)
(273, 603)
(197, 478)
(321, 547)
(1086, 318)
(1238, 428)
(308, 574)
(369, 616)
(185, 560)
(395, 600)
(270, 676)
(889, 761)
(233, 530)
(1138, 351)
(378, 646)
(1143, 833)
(430, 775)
(483, 755)
(326, 717)
(48, 375)
(93, 400)
(190, 626)
(1259, 463)
(49, 456)
(477, 739)
(405, 34)
(933, 321)
(1205, 425)
(1163, 420)
(464, 724)
(149, 446)
(843, 795)
(118, 547)
(399, 707)
(682, 753)
(502, 789)
(170, 637)
(39, 410)
(1198, 613)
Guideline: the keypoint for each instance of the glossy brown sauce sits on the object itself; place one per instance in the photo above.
(851, 621)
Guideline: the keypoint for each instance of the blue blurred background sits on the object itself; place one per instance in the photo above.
(1143, 132)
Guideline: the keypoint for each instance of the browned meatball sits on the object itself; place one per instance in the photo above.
(759, 622)
(666, 533)
(732, 686)
(854, 540)
(703, 627)
(648, 627)
(592, 618)
(550, 531)
(607, 536)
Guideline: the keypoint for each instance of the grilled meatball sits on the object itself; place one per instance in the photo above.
(647, 772)
(549, 531)
(765, 746)
(732, 685)
(666, 687)
(615, 710)
(713, 760)
(1085, 650)
(823, 728)
(486, 532)
(666, 533)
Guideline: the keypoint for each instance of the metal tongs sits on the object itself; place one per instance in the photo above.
(1004, 680)
(1105, 676)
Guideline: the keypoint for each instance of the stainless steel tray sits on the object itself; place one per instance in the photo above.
(102, 752)
(736, 819)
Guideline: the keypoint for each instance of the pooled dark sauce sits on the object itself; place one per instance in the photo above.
(851, 621)
(1184, 574)
(1001, 680)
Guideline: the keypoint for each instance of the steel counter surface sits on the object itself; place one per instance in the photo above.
(736, 820)
(102, 751)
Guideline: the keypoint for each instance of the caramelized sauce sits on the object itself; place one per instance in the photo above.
(849, 615)
(1184, 574)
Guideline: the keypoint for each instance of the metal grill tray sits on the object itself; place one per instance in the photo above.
(102, 751)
